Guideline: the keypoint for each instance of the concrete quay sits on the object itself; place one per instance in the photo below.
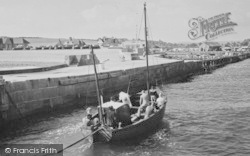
(71, 71)
(25, 94)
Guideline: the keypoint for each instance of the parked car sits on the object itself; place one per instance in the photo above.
(68, 47)
(19, 47)
(39, 48)
(86, 47)
(77, 47)
(58, 47)
(96, 46)
(28, 47)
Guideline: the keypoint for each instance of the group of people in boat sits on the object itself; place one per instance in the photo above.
(149, 103)
(120, 113)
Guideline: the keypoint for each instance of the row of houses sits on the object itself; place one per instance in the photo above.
(210, 46)
(111, 42)
(57, 43)
(74, 43)
(48, 43)
(133, 45)
(7, 43)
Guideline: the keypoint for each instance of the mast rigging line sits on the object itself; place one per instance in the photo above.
(138, 36)
(149, 29)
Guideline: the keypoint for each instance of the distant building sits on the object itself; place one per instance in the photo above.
(226, 48)
(192, 47)
(210, 46)
(7, 43)
(133, 44)
(1, 44)
(236, 48)
(244, 49)
(69, 44)
(110, 42)
(100, 41)
(78, 43)
(20, 43)
(90, 42)
(156, 49)
(60, 44)
(137, 46)
(178, 49)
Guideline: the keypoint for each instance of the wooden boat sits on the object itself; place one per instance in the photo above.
(104, 133)
(132, 131)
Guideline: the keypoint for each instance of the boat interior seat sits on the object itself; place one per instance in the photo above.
(133, 109)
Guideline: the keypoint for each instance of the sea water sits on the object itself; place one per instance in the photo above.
(205, 115)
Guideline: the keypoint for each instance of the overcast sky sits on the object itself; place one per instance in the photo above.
(92, 19)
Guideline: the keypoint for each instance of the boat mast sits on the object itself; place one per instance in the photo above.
(97, 88)
(146, 46)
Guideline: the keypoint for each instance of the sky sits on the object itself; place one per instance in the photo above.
(91, 19)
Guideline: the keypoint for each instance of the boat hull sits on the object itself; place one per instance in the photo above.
(133, 131)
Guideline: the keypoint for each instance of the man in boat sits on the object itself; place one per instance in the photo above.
(89, 121)
(161, 100)
(124, 97)
(149, 110)
(110, 117)
(153, 93)
(86, 120)
(144, 102)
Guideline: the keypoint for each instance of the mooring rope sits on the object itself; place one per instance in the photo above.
(80, 140)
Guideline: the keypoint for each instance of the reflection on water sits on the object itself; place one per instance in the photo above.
(206, 115)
